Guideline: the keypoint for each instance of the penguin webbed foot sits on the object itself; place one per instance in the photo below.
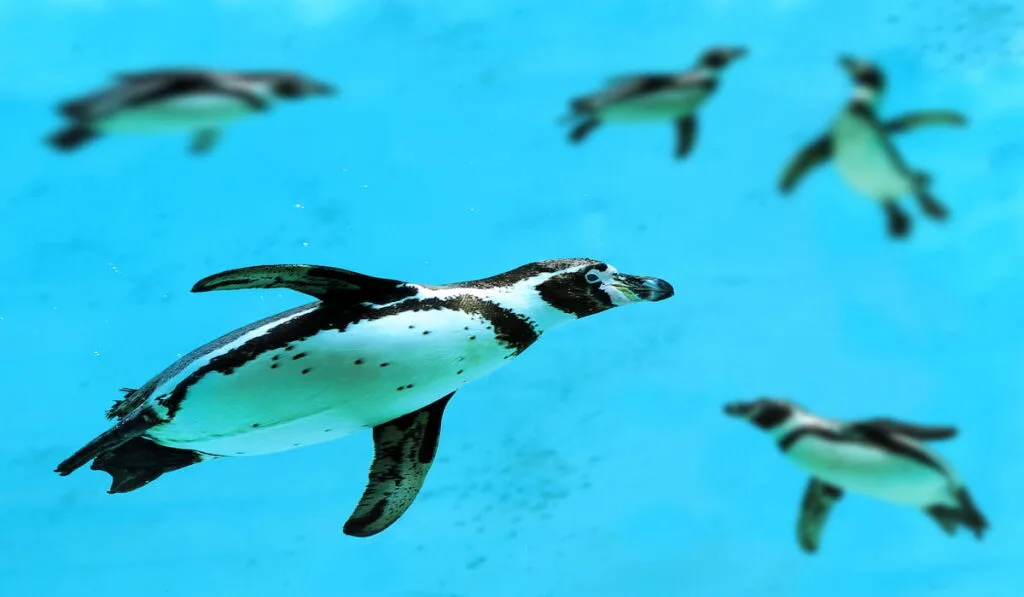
(898, 222)
(72, 137)
(931, 206)
(203, 141)
(582, 130)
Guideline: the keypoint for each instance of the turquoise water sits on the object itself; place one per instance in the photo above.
(599, 462)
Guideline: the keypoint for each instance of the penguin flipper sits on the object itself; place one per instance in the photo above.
(819, 498)
(686, 133)
(72, 138)
(322, 282)
(914, 120)
(583, 129)
(204, 140)
(812, 155)
(911, 430)
(404, 450)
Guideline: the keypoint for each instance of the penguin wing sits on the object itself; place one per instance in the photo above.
(104, 103)
(403, 451)
(325, 283)
(812, 155)
(819, 498)
(622, 88)
(914, 120)
(912, 430)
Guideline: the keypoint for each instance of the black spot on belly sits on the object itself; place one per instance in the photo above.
(306, 370)
(298, 356)
(289, 347)
(275, 357)
(408, 386)
(412, 327)
(255, 425)
(459, 372)
(472, 337)
(359, 361)
(425, 332)
(384, 364)
(274, 366)
(400, 388)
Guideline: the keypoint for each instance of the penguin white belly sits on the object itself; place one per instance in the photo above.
(333, 383)
(871, 471)
(658, 106)
(866, 162)
(189, 112)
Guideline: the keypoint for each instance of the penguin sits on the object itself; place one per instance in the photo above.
(370, 352)
(198, 101)
(881, 458)
(860, 144)
(654, 97)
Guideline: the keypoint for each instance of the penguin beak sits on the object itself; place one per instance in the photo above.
(739, 409)
(737, 52)
(849, 63)
(642, 288)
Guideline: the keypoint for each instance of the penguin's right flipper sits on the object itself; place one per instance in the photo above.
(812, 155)
(403, 451)
(325, 283)
(914, 120)
(819, 498)
(912, 430)
(686, 133)
(583, 129)
(204, 140)
(897, 221)
(72, 137)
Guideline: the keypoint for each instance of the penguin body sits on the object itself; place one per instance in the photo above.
(860, 145)
(654, 97)
(195, 101)
(370, 353)
(881, 458)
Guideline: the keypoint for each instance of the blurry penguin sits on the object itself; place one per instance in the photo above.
(881, 458)
(859, 144)
(655, 97)
(198, 101)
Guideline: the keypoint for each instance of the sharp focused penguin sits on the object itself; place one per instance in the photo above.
(369, 353)
(881, 458)
(859, 144)
(197, 101)
(655, 98)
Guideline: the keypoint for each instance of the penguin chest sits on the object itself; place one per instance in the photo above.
(657, 106)
(872, 471)
(333, 383)
(176, 113)
(867, 161)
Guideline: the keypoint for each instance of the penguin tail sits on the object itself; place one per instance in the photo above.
(970, 516)
(71, 138)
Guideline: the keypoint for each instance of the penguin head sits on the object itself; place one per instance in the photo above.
(290, 86)
(583, 287)
(719, 57)
(867, 77)
(766, 413)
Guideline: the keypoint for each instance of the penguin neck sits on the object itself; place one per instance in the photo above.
(795, 421)
(865, 98)
(526, 300)
(705, 71)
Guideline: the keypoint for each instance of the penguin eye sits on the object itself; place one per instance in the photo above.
(592, 277)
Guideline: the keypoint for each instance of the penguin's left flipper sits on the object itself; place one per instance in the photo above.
(819, 498)
(911, 430)
(322, 282)
(914, 120)
(203, 141)
(812, 155)
(403, 451)
(686, 133)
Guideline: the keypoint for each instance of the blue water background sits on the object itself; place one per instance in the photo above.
(599, 463)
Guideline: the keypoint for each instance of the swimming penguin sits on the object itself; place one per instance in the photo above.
(198, 101)
(655, 98)
(881, 458)
(859, 144)
(369, 353)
